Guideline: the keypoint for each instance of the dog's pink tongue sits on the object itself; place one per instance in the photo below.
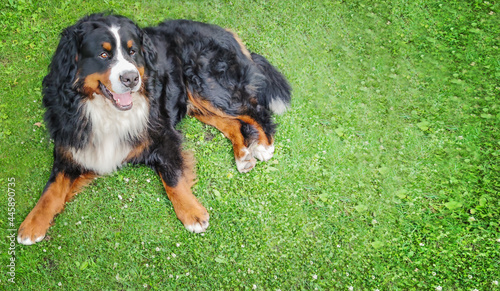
(123, 99)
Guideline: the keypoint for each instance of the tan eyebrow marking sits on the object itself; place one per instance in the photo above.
(129, 43)
(106, 46)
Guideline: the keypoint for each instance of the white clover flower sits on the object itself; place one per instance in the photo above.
(254, 286)
(439, 288)
(157, 249)
(495, 282)
(59, 284)
(315, 276)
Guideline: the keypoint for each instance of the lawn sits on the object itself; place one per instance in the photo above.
(386, 172)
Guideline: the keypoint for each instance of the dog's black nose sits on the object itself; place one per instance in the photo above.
(129, 78)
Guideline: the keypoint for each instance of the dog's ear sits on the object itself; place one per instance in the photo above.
(63, 67)
(149, 50)
(61, 101)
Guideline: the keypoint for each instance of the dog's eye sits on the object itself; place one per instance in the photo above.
(131, 52)
(104, 55)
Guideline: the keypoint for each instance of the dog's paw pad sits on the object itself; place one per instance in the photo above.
(246, 162)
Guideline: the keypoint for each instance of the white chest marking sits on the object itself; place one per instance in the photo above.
(112, 130)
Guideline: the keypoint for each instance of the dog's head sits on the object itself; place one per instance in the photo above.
(102, 56)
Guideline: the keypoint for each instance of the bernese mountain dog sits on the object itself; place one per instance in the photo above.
(115, 92)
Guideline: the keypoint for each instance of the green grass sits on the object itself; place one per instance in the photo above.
(386, 173)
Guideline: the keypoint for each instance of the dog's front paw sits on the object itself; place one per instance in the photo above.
(200, 223)
(33, 229)
(194, 216)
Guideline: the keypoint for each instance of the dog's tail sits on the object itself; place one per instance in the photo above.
(275, 93)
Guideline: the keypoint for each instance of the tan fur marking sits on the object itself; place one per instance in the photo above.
(229, 125)
(106, 46)
(91, 82)
(138, 150)
(141, 71)
(189, 167)
(244, 50)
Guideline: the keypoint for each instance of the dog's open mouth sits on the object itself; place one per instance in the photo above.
(121, 101)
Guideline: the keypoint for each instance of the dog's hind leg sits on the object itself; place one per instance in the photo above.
(249, 138)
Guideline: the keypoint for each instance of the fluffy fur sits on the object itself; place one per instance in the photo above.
(115, 92)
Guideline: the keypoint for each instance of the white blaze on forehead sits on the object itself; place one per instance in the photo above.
(121, 66)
